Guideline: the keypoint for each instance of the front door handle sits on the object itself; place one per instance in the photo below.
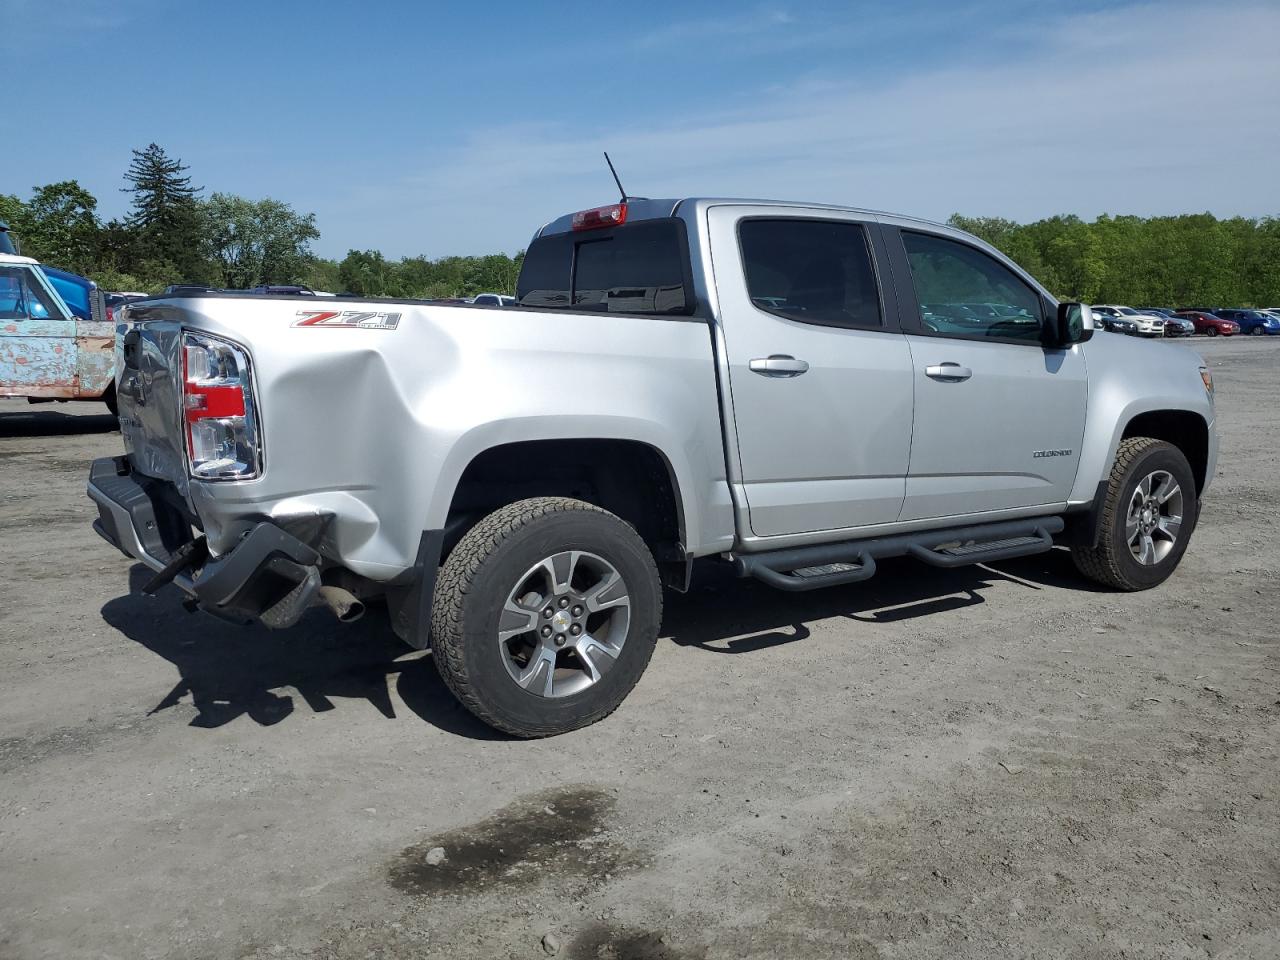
(948, 372)
(779, 365)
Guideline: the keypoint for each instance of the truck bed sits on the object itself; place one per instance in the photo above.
(400, 395)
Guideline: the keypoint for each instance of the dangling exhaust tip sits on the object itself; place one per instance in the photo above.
(345, 605)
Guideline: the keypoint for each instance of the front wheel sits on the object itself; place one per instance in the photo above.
(1256, 332)
(545, 615)
(1211, 332)
(1148, 514)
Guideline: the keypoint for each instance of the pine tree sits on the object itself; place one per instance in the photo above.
(158, 187)
(166, 216)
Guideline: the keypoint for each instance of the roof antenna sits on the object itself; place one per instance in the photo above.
(625, 198)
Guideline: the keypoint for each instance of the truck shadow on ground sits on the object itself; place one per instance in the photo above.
(746, 616)
(53, 423)
(229, 671)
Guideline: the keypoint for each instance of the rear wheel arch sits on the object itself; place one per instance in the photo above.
(630, 478)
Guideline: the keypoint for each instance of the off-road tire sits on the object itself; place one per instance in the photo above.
(1111, 563)
(473, 585)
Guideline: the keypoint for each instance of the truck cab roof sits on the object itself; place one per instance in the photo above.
(647, 209)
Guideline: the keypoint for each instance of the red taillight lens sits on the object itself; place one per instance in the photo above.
(204, 401)
(613, 215)
(217, 405)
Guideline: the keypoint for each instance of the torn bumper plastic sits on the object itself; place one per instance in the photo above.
(270, 575)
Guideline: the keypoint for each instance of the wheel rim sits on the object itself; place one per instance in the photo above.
(564, 624)
(1154, 518)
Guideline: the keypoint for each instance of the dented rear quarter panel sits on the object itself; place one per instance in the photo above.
(368, 431)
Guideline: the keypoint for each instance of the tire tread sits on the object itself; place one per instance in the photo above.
(454, 585)
(1101, 563)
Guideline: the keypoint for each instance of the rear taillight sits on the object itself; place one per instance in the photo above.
(217, 406)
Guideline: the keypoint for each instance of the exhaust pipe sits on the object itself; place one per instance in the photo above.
(346, 606)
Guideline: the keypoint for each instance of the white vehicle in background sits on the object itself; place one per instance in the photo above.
(493, 300)
(1149, 324)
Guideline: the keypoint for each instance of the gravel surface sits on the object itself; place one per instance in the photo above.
(989, 762)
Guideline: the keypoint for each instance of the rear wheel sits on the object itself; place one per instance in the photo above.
(1256, 332)
(545, 616)
(1211, 332)
(1148, 514)
(109, 398)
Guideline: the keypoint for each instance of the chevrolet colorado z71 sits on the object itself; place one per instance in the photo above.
(796, 389)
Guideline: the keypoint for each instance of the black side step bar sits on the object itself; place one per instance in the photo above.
(829, 564)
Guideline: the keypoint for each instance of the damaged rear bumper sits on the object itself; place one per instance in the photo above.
(270, 575)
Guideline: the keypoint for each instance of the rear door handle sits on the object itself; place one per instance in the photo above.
(779, 365)
(948, 372)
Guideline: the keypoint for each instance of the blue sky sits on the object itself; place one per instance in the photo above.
(439, 128)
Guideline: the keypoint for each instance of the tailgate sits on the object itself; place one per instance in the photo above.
(149, 393)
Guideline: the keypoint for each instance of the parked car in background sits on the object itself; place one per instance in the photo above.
(79, 293)
(1210, 324)
(6, 239)
(287, 290)
(188, 289)
(1117, 324)
(494, 300)
(48, 350)
(1253, 322)
(114, 301)
(1174, 325)
(1149, 325)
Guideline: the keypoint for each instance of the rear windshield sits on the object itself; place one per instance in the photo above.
(636, 268)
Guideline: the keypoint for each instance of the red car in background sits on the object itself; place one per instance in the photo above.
(1209, 324)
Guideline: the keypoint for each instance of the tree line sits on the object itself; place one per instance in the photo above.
(1193, 260)
(174, 234)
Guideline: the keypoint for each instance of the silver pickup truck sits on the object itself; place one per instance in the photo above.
(797, 390)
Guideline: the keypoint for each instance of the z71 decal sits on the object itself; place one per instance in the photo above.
(359, 319)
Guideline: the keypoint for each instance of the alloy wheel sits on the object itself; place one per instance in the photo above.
(1154, 517)
(564, 624)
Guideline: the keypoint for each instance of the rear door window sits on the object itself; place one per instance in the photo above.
(640, 267)
(814, 271)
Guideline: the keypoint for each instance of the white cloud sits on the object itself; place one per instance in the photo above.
(1144, 110)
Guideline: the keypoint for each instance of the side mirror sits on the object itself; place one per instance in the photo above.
(1075, 323)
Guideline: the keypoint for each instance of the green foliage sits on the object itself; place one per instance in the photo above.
(253, 243)
(368, 274)
(63, 225)
(172, 236)
(166, 219)
(1187, 260)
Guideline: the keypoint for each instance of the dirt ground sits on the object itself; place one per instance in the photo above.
(990, 762)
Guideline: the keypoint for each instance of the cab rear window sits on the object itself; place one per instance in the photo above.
(641, 267)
